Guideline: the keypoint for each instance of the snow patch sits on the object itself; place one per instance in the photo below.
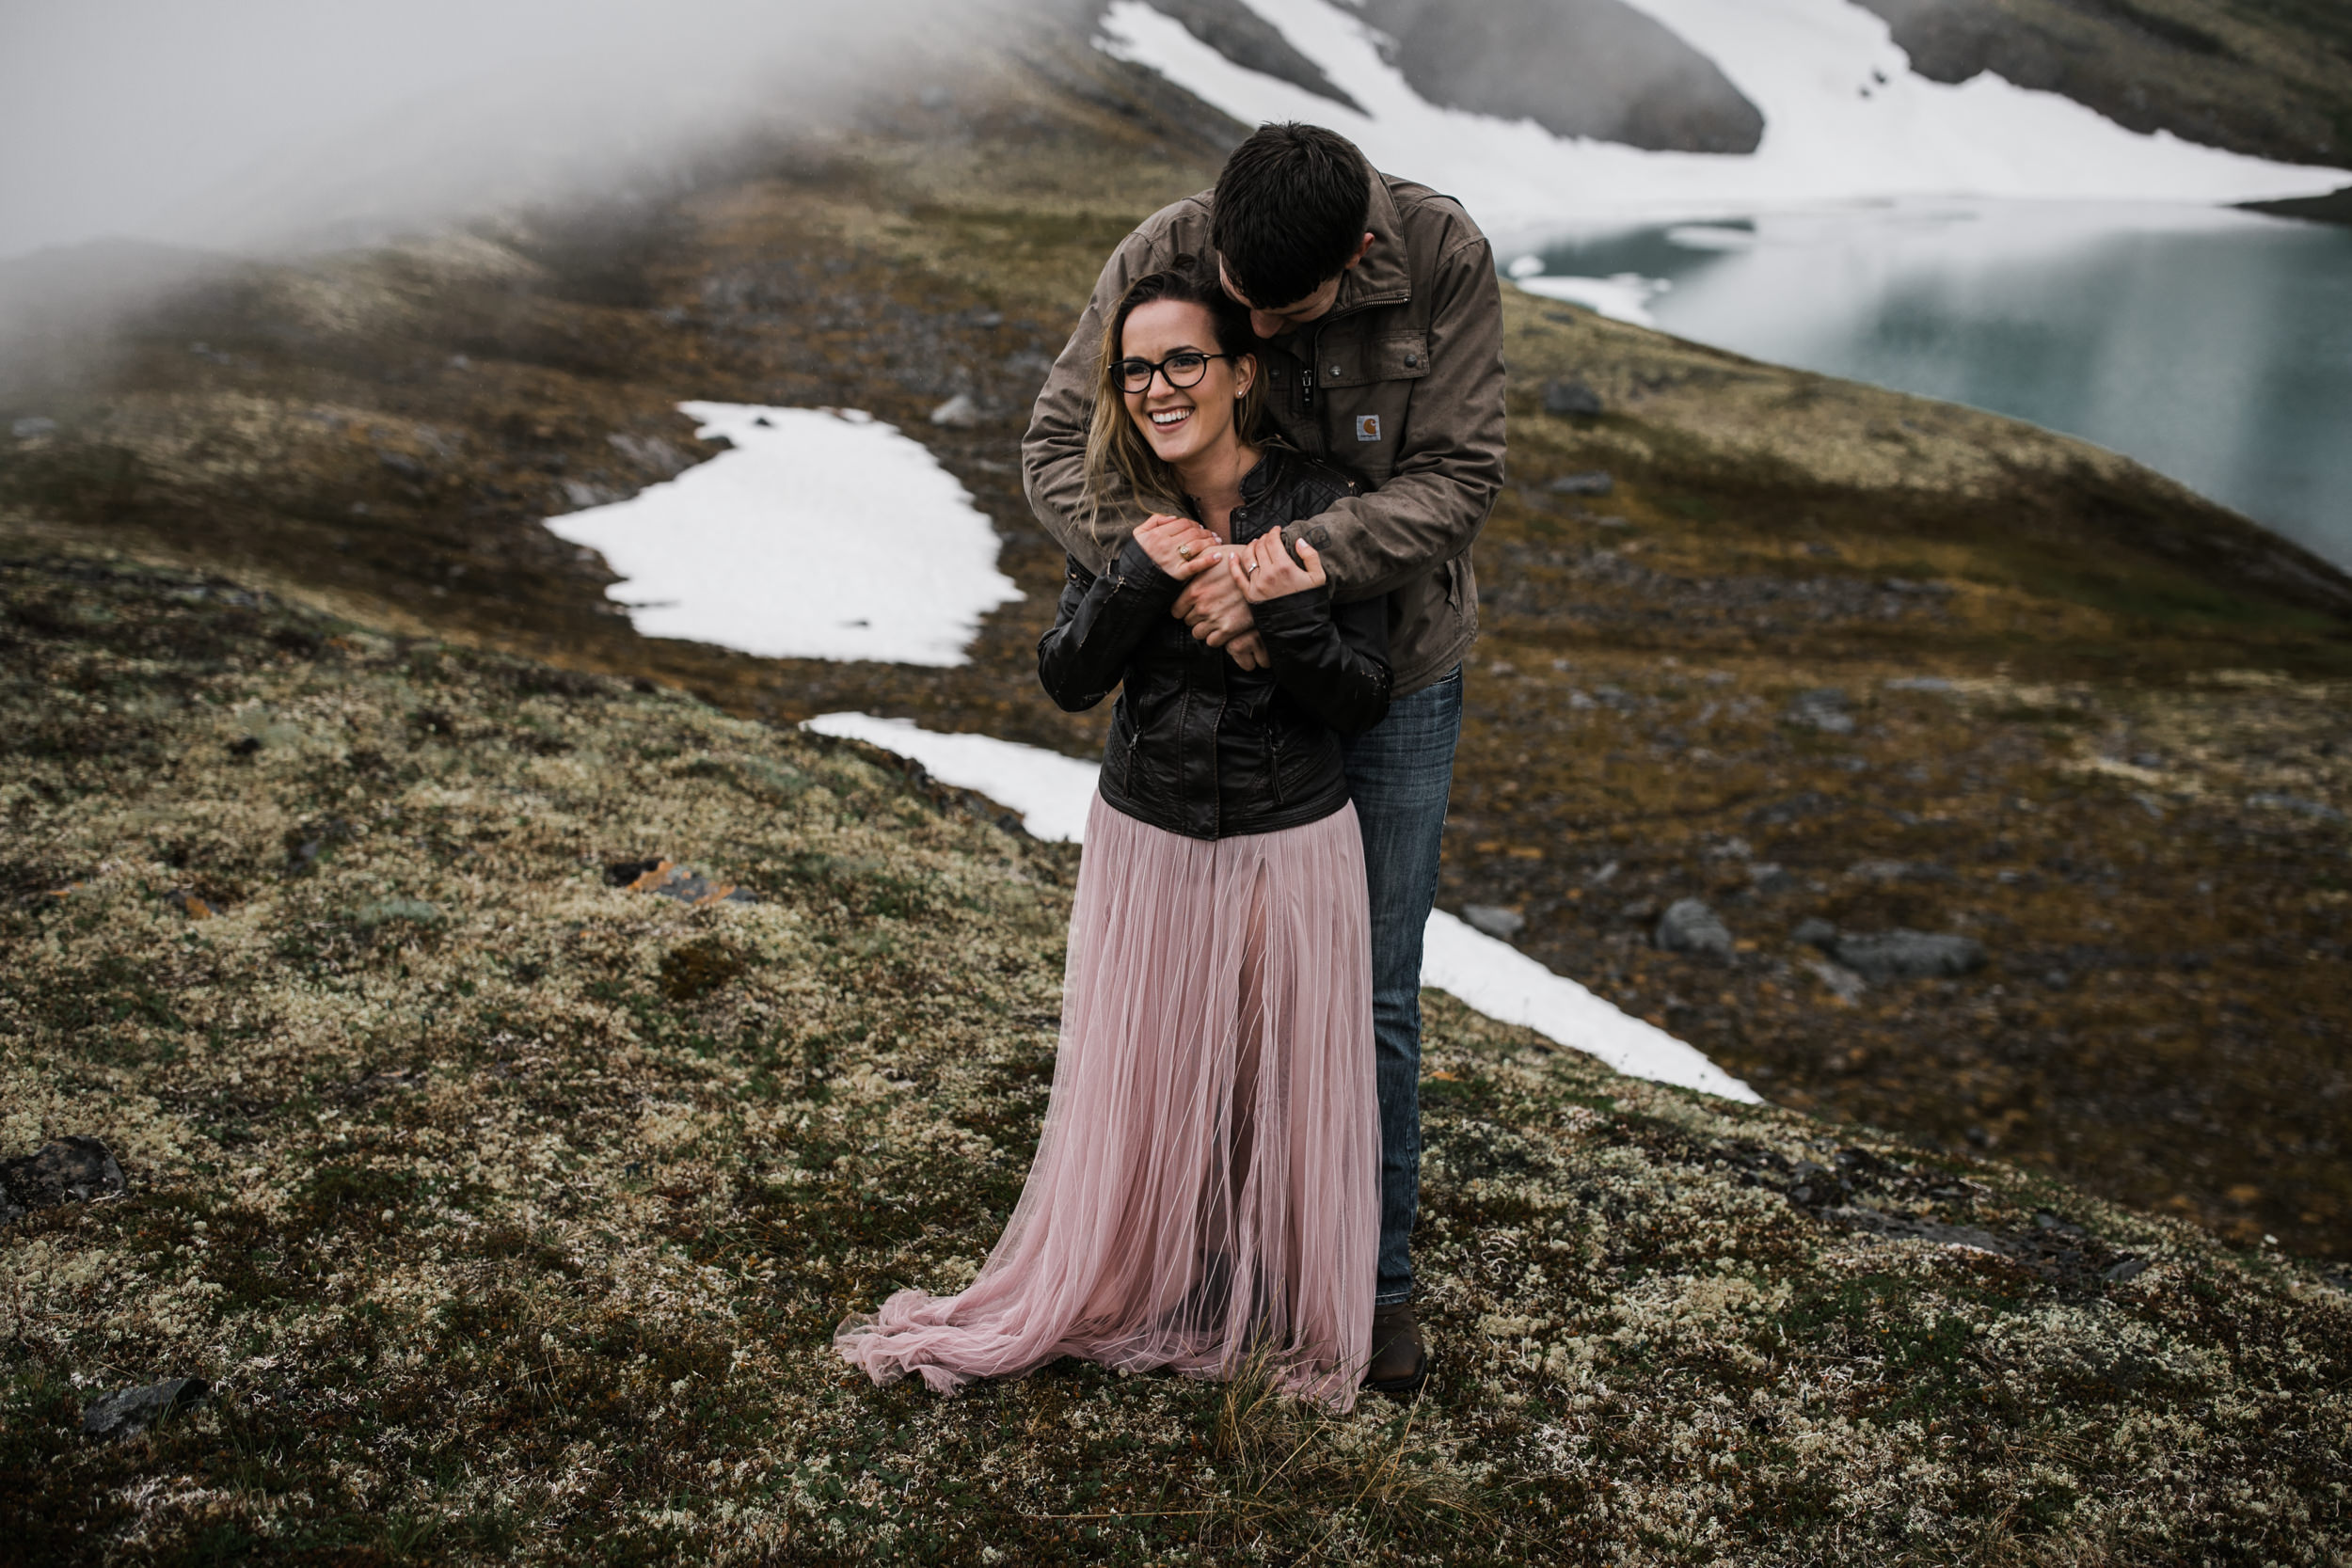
(1845, 119)
(1052, 793)
(825, 534)
(1506, 983)
(1623, 297)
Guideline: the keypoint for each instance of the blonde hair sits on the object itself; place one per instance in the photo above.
(1117, 452)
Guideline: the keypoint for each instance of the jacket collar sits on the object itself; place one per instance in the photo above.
(1383, 277)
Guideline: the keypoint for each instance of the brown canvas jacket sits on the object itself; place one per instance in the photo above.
(1400, 385)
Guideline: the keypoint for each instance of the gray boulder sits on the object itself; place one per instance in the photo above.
(1822, 708)
(958, 413)
(1901, 955)
(132, 1411)
(70, 1170)
(1572, 399)
(1494, 920)
(1595, 482)
(1690, 926)
(1813, 931)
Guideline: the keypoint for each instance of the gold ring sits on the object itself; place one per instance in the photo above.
(1185, 552)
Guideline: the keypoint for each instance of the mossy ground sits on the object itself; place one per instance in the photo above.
(381, 435)
(509, 1210)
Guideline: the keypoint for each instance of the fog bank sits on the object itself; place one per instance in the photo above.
(245, 124)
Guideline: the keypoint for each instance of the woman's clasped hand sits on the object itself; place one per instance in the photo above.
(1178, 546)
(1262, 569)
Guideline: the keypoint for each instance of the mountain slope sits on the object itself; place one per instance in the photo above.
(2127, 794)
(2272, 80)
(507, 1205)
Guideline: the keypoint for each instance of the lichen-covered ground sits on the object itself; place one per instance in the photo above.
(2140, 678)
(508, 1209)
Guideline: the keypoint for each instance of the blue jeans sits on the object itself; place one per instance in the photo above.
(1400, 774)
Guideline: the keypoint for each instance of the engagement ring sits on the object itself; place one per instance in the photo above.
(1185, 552)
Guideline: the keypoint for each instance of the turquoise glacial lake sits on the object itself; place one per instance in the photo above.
(2214, 346)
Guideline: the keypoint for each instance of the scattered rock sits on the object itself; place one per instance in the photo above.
(1813, 931)
(1596, 482)
(385, 912)
(1899, 871)
(1690, 926)
(2317, 811)
(669, 879)
(192, 905)
(74, 1169)
(1843, 983)
(1571, 399)
(1822, 708)
(1919, 683)
(1770, 880)
(2130, 1268)
(958, 413)
(132, 1411)
(581, 495)
(1901, 955)
(25, 428)
(1859, 1217)
(650, 453)
(1494, 920)
(402, 465)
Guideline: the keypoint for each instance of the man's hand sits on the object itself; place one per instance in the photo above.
(1264, 569)
(1214, 608)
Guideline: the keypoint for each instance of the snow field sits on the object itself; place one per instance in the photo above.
(1053, 792)
(824, 533)
(1846, 121)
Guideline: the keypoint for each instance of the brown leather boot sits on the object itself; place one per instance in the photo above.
(1400, 1362)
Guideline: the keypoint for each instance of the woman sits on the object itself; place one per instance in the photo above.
(1206, 1187)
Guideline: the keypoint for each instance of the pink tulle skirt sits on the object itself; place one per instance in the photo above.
(1206, 1189)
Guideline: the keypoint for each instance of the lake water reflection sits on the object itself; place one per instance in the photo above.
(2215, 346)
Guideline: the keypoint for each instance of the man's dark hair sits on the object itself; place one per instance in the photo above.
(1290, 211)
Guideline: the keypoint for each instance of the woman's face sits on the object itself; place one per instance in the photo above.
(1182, 423)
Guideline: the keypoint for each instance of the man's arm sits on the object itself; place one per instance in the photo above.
(1451, 470)
(1053, 452)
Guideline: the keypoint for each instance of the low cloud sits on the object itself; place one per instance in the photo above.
(255, 124)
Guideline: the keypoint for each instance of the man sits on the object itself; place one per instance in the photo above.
(1384, 355)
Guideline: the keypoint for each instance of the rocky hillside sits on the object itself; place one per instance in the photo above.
(446, 1101)
(2271, 78)
(1812, 651)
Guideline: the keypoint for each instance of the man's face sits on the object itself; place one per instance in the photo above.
(1313, 307)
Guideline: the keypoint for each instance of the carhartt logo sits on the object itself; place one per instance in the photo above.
(1367, 427)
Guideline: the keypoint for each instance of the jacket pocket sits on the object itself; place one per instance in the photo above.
(1119, 756)
(1399, 356)
(1359, 361)
(1302, 756)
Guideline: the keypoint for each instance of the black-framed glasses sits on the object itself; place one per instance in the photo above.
(1184, 368)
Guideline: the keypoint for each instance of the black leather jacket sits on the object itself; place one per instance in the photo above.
(1199, 746)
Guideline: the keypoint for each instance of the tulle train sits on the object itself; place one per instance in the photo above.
(1206, 1187)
